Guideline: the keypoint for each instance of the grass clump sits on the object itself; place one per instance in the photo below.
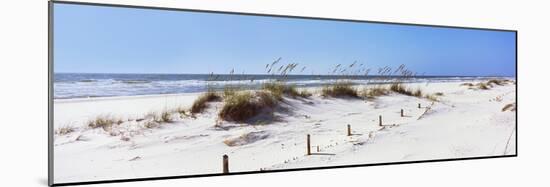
(229, 91)
(417, 93)
(182, 111)
(278, 89)
(239, 107)
(400, 88)
(340, 89)
(305, 94)
(244, 105)
(155, 119)
(487, 85)
(267, 99)
(202, 102)
(104, 122)
(511, 107)
(65, 130)
(166, 117)
(163, 117)
(371, 93)
(497, 82)
(432, 97)
(483, 86)
(151, 124)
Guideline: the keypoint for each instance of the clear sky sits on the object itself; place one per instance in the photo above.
(93, 39)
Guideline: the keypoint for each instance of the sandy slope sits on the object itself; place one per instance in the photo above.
(465, 123)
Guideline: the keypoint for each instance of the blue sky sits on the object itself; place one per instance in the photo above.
(93, 39)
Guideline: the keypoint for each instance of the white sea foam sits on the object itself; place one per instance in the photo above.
(106, 85)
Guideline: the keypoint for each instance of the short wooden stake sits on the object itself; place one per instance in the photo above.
(402, 113)
(308, 146)
(418, 105)
(380, 120)
(349, 130)
(318, 149)
(225, 164)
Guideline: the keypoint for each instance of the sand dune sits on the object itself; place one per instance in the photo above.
(465, 122)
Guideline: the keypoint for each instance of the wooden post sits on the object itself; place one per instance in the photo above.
(318, 149)
(308, 146)
(380, 120)
(225, 164)
(401, 112)
(349, 130)
(418, 105)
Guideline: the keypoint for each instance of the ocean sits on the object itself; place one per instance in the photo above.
(87, 85)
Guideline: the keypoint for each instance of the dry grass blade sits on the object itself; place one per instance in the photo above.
(511, 107)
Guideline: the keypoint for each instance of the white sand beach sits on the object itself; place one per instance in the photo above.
(463, 123)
